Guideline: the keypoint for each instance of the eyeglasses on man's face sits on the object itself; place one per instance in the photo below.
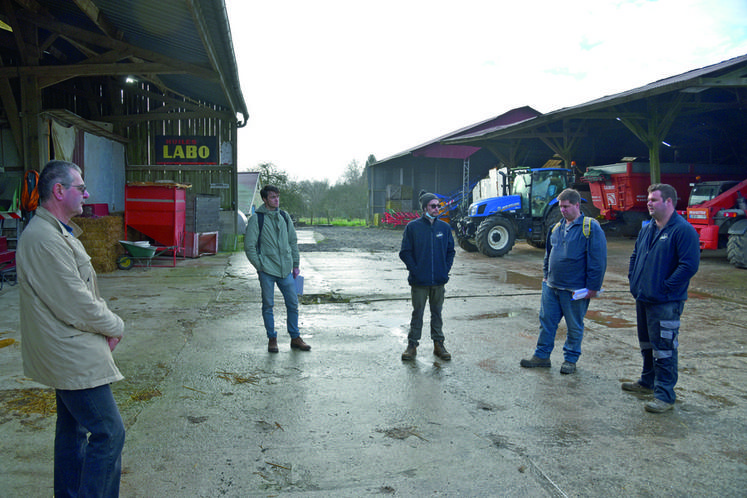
(81, 188)
(432, 206)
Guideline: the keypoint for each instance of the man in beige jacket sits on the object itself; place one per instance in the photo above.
(68, 334)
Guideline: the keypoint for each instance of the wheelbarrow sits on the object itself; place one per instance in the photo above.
(141, 252)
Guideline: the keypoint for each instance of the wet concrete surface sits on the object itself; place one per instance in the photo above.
(210, 413)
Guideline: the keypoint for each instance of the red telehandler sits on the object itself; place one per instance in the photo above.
(718, 211)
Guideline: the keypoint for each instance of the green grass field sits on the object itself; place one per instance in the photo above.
(338, 222)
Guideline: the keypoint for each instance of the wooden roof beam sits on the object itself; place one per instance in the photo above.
(95, 15)
(50, 75)
(83, 35)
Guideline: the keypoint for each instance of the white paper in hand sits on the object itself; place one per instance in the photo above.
(580, 294)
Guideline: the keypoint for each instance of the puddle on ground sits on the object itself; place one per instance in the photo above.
(488, 316)
(329, 297)
(515, 278)
(399, 332)
(608, 321)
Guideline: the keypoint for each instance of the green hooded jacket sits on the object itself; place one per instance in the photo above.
(278, 252)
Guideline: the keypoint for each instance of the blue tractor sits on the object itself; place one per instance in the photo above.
(492, 225)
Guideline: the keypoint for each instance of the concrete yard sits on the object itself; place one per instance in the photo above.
(210, 413)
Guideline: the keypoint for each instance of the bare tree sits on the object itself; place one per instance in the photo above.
(315, 196)
(291, 197)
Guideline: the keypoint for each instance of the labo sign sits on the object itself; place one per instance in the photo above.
(186, 150)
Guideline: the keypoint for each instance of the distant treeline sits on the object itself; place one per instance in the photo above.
(317, 200)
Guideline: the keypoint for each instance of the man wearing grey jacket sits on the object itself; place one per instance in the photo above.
(271, 246)
(68, 334)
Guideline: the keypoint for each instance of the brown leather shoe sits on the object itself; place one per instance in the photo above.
(440, 350)
(297, 343)
(272, 345)
(409, 353)
(636, 387)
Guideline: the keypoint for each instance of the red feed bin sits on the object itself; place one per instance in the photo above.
(157, 210)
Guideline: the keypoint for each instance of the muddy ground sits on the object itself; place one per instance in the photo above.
(369, 239)
(210, 413)
(716, 277)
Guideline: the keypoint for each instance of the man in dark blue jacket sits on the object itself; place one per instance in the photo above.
(665, 258)
(574, 267)
(428, 252)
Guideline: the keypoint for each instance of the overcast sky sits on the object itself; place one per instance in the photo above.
(328, 82)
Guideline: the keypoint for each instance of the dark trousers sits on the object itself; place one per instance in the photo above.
(434, 295)
(658, 328)
(88, 465)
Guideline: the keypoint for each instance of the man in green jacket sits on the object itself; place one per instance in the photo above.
(68, 334)
(271, 245)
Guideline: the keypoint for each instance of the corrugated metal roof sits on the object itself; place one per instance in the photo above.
(437, 148)
(191, 33)
(694, 80)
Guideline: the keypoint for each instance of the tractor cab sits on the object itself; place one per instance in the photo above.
(538, 189)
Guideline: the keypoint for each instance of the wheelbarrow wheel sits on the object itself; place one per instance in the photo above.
(125, 262)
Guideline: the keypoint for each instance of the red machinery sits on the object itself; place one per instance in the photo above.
(7, 263)
(619, 190)
(718, 211)
(157, 210)
(396, 218)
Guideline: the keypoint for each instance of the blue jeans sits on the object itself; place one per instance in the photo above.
(658, 328)
(557, 304)
(435, 296)
(88, 465)
(287, 287)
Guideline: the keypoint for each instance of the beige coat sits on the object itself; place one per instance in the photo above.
(64, 320)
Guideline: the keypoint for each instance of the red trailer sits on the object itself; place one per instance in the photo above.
(157, 210)
(619, 190)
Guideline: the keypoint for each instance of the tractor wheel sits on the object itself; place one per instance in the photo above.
(125, 262)
(736, 250)
(587, 210)
(632, 221)
(495, 237)
(467, 245)
(552, 218)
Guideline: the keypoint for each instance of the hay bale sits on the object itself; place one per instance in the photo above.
(101, 238)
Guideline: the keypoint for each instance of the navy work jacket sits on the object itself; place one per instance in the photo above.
(427, 251)
(664, 261)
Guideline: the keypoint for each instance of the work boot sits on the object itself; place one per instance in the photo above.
(567, 368)
(297, 343)
(658, 406)
(409, 353)
(272, 345)
(535, 362)
(440, 351)
(636, 387)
